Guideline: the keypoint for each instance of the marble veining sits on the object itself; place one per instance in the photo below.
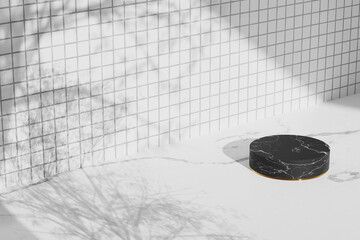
(334, 133)
(345, 176)
(289, 156)
(182, 160)
(203, 189)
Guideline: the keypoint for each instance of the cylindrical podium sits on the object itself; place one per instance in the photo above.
(289, 157)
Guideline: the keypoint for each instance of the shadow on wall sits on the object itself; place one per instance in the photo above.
(112, 205)
(58, 90)
(65, 71)
(290, 53)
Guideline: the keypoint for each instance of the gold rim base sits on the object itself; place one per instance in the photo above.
(301, 179)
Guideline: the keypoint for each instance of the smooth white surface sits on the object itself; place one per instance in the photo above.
(203, 189)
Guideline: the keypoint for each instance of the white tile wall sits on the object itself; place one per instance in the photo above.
(85, 81)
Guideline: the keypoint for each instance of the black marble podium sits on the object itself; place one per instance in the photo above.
(289, 157)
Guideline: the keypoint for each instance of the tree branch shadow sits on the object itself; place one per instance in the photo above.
(33, 83)
(105, 204)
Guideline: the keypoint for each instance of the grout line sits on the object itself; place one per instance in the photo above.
(41, 102)
(137, 85)
(66, 100)
(308, 38)
(174, 38)
(317, 56)
(125, 90)
(357, 57)
(341, 62)
(292, 64)
(78, 93)
(348, 61)
(169, 82)
(192, 64)
(179, 79)
(302, 63)
(158, 71)
(190, 71)
(55, 147)
(114, 81)
(90, 97)
(134, 3)
(102, 89)
(147, 75)
(229, 70)
(200, 69)
(333, 61)
(13, 90)
(257, 62)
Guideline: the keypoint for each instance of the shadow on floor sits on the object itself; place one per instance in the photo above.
(350, 102)
(239, 151)
(11, 228)
(119, 204)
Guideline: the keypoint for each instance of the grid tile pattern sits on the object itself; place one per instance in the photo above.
(86, 81)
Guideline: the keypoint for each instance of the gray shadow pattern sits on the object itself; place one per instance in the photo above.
(239, 151)
(109, 205)
(278, 36)
(49, 107)
(11, 228)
